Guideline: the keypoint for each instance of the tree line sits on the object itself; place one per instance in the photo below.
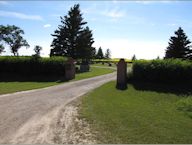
(73, 38)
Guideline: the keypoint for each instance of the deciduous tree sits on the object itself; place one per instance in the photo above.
(37, 50)
(12, 35)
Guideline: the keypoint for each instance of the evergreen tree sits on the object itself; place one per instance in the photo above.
(84, 45)
(133, 58)
(179, 46)
(1, 48)
(71, 38)
(108, 54)
(100, 54)
(158, 58)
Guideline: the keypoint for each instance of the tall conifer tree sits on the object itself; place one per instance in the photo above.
(179, 46)
(72, 39)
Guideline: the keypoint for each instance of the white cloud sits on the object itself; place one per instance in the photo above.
(47, 25)
(55, 15)
(172, 24)
(20, 15)
(125, 48)
(4, 3)
(146, 2)
(114, 13)
(91, 9)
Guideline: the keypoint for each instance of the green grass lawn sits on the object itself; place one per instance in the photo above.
(113, 65)
(104, 65)
(20, 84)
(94, 71)
(10, 87)
(136, 115)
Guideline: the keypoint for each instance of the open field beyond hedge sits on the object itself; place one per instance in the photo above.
(144, 113)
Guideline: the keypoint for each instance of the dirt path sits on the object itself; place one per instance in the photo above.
(33, 116)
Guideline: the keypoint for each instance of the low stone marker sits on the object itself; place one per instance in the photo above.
(121, 75)
(84, 66)
(69, 69)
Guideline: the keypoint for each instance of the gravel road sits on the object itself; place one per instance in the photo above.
(20, 112)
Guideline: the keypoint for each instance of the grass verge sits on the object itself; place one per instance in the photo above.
(136, 116)
(15, 83)
(94, 71)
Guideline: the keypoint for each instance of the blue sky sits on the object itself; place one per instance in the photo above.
(142, 28)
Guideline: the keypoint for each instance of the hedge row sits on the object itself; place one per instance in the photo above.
(25, 65)
(170, 70)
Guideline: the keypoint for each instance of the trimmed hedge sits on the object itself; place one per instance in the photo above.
(26, 65)
(169, 70)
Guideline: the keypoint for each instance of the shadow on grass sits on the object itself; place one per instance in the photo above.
(23, 78)
(176, 88)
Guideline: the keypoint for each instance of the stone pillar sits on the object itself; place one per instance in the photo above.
(121, 75)
(69, 69)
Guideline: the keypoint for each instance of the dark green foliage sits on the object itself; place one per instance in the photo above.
(30, 66)
(12, 35)
(100, 54)
(179, 46)
(1, 48)
(108, 54)
(169, 70)
(72, 39)
(133, 58)
(37, 50)
(84, 47)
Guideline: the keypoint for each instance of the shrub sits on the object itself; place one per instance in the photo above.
(25, 65)
(185, 104)
(169, 70)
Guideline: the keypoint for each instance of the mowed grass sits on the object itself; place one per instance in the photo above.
(135, 116)
(94, 71)
(11, 85)
(104, 65)
(107, 65)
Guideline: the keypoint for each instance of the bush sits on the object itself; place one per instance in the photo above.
(25, 65)
(185, 104)
(169, 70)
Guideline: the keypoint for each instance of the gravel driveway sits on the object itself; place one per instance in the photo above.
(18, 111)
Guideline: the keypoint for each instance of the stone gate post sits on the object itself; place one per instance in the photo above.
(121, 75)
(70, 69)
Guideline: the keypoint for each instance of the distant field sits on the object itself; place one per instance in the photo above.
(114, 60)
(138, 115)
(20, 84)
